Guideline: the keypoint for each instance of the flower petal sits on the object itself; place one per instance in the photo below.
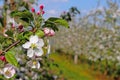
(38, 52)
(12, 71)
(38, 65)
(8, 71)
(26, 45)
(30, 53)
(33, 66)
(40, 43)
(33, 39)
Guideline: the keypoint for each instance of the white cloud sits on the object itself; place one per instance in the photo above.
(52, 12)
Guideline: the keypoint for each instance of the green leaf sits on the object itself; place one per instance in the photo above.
(20, 36)
(55, 22)
(62, 22)
(10, 57)
(9, 33)
(51, 25)
(59, 21)
(27, 34)
(40, 33)
(23, 15)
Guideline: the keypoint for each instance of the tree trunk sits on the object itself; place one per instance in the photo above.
(75, 58)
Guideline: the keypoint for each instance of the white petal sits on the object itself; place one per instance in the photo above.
(40, 43)
(33, 39)
(39, 52)
(5, 69)
(30, 53)
(26, 45)
(12, 71)
(7, 76)
(38, 65)
(33, 66)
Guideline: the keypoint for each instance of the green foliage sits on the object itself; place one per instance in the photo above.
(118, 70)
(40, 33)
(73, 11)
(24, 36)
(55, 22)
(25, 17)
(10, 57)
(1, 64)
(9, 33)
(22, 14)
(27, 34)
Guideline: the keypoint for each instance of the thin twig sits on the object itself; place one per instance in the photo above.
(15, 43)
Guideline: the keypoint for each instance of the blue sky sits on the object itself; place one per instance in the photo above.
(56, 7)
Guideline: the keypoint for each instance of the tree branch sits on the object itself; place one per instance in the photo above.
(15, 43)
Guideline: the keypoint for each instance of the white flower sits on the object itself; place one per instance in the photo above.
(34, 64)
(8, 71)
(34, 46)
(118, 58)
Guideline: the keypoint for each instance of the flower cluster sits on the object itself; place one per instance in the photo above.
(49, 32)
(40, 12)
(34, 49)
(28, 31)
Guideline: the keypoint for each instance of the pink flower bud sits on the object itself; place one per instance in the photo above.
(38, 13)
(20, 27)
(46, 31)
(33, 10)
(2, 58)
(41, 7)
(43, 12)
(52, 33)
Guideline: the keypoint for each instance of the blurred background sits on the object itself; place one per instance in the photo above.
(90, 48)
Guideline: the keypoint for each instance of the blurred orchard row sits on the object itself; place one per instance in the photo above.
(95, 35)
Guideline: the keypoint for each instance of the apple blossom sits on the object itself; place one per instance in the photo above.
(8, 71)
(34, 46)
(34, 64)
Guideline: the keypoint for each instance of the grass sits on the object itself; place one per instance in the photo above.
(73, 71)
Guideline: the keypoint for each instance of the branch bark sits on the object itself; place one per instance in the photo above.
(15, 43)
